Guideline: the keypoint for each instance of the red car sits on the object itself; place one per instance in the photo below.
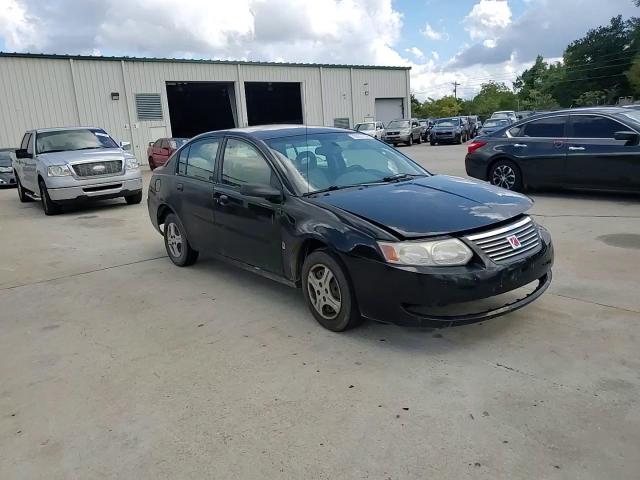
(160, 150)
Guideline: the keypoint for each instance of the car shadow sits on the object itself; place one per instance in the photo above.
(370, 333)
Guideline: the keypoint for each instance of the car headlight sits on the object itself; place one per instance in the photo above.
(438, 253)
(6, 169)
(132, 163)
(58, 171)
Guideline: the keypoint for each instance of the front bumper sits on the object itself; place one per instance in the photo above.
(112, 187)
(7, 179)
(435, 137)
(401, 295)
(396, 138)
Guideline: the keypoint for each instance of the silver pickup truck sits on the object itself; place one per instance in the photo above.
(62, 165)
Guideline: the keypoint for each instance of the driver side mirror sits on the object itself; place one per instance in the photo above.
(22, 153)
(125, 145)
(267, 192)
(628, 136)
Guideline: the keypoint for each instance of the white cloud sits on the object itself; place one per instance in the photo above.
(15, 26)
(419, 54)
(433, 34)
(487, 18)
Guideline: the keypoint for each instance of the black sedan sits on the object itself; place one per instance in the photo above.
(591, 148)
(361, 228)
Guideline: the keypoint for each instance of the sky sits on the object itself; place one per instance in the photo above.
(466, 41)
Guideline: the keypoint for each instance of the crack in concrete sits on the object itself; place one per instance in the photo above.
(629, 310)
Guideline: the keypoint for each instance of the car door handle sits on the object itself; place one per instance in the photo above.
(576, 148)
(223, 200)
(520, 145)
(180, 187)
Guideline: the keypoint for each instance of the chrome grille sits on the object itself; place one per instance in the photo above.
(94, 169)
(497, 246)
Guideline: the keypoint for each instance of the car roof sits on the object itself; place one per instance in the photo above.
(56, 129)
(266, 132)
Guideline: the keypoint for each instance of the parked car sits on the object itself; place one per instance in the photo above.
(361, 228)
(159, 151)
(448, 130)
(373, 129)
(62, 165)
(427, 125)
(508, 114)
(593, 148)
(475, 123)
(493, 125)
(7, 178)
(403, 131)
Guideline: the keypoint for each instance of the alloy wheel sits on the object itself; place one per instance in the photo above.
(324, 291)
(504, 176)
(174, 240)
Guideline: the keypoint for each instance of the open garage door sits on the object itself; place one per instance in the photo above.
(197, 107)
(388, 109)
(273, 102)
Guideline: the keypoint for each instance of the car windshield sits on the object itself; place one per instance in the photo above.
(398, 124)
(448, 122)
(68, 140)
(365, 126)
(499, 115)
(5, 158)
(495, 123)
(326, 161)
(178, 142)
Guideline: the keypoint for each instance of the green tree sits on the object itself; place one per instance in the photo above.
(633, 75)
(492, 97)
(444, 107)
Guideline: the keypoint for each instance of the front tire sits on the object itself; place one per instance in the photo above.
(133, 199)
(410, 142)
(328, 293)
(175, 241)
(506, 174)
(48, 205)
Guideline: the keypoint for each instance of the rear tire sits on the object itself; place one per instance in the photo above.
(506, 174)
(48, 205)
(133, 199)
(410, 142)
(328, 292)
(175, 241)
(22, 194)
(432, 143)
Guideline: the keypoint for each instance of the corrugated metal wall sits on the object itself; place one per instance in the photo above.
(45, 92)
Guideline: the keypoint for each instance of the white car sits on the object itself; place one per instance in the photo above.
(374, 129)
(60, 165)
(508, 114)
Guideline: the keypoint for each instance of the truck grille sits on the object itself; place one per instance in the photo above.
(93, 169)
(508, 243)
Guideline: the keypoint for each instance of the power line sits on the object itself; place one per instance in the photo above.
(455, 89)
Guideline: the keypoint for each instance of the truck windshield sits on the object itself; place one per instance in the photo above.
(67, 140)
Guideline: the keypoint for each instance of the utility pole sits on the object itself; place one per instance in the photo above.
(455, 89)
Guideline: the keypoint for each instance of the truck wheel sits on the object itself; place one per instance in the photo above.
(48, 205)
(176, 243)
(133, 199)
(22, 194)
(328, 293)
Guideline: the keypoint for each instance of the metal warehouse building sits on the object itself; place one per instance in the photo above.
(141, 99)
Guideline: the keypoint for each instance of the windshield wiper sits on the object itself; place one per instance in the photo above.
(333, 188)
(86, 148)
(401, 176)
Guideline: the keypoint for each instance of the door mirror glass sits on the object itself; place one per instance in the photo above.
(261, 191)
(22, 153)
(630, 137)
(125, 145)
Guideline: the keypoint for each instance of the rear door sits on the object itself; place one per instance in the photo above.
(29, 167)
(248, 228)
(19, 162)
(540, 150)
(193, 191)
(596, 159)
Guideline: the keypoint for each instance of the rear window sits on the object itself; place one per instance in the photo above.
(5, 158)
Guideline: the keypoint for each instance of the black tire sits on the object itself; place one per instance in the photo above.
(459, 140)
(506, 174)
(178, 250)
(419, 140)
(152, 166)
(410, 142)
(432, 143)
(22, 194)
(49, 206)
(336, 288)
(133, 199)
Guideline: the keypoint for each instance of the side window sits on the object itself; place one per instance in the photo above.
(551, 127)
(30, 144)
(243, 163)
(202, 159)
(25, 141)
(594, 126)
